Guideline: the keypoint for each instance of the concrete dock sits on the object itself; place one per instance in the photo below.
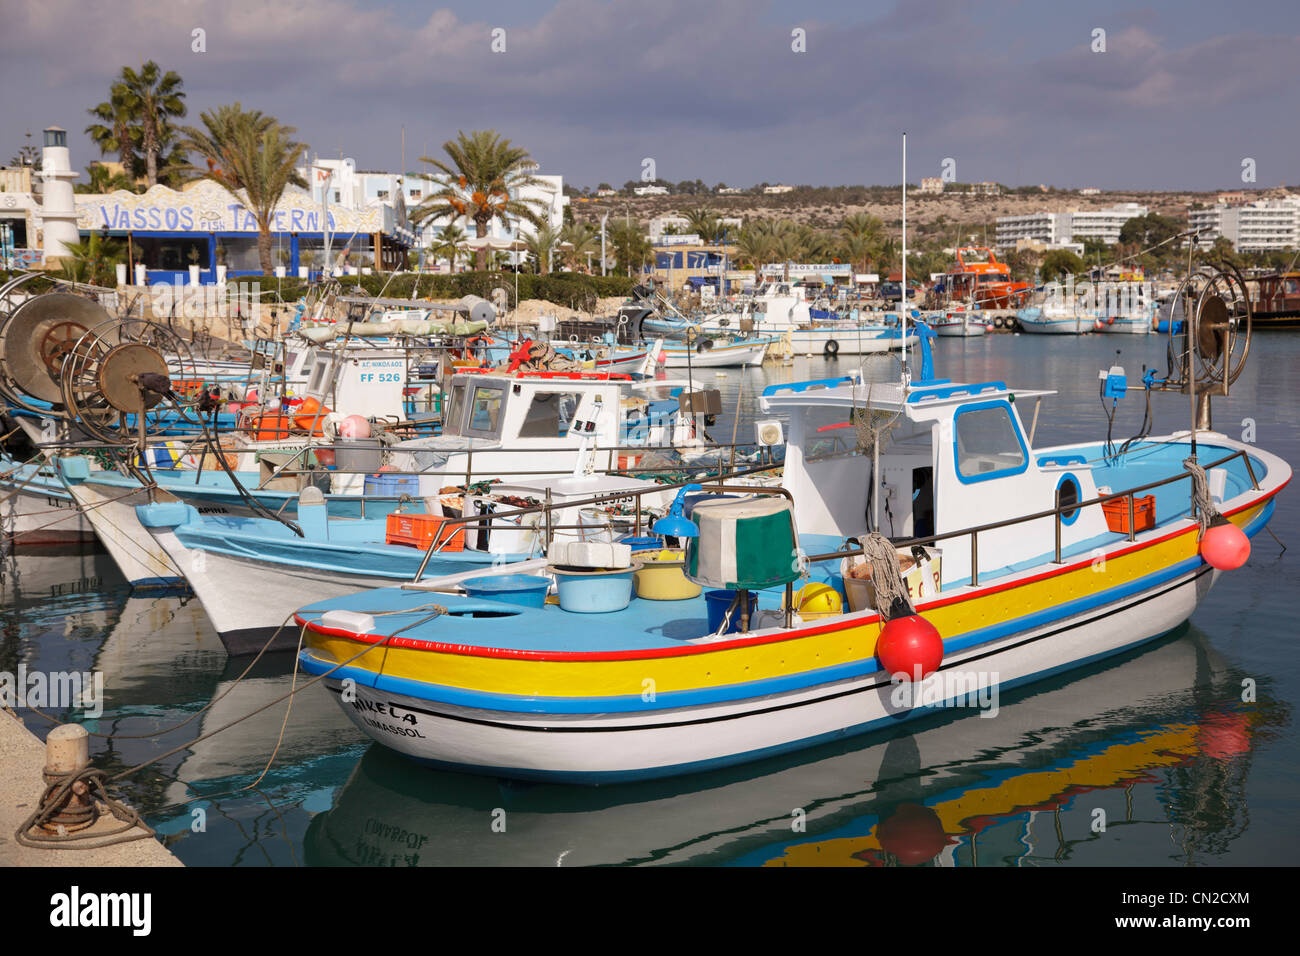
(22, 756)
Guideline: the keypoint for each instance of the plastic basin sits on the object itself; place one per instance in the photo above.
(586, 591)
(662, 577)
(528, 590)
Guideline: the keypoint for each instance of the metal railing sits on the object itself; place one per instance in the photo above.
(1055, 514)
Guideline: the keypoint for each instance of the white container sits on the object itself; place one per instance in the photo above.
(590, 554)
(120, 269)
(594, 524)
(141, 274)
(303, 271)
(194, 275)
(221, 275)
(279, 272)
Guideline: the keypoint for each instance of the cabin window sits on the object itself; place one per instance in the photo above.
(549, 414)
(485, 410)
(318, 377)
(988, 443)
(1067, 493)
(828, 433)
(451, 415)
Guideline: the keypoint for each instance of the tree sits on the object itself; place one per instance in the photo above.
(1060, 262)
(755, 246)
(705, 224)
(101, 179)
(152, 99)
(1093, 246)
(93, 260)
(629, 245)
(1149, 230)
(485, 174)
(250, 153)
(450, 239)
(116, 131)
(578, 240)
(541, 246)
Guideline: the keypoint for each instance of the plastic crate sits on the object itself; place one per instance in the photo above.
(420, 531)
(1144, 513)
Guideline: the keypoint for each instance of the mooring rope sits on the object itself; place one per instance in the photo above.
(886, 577)
(1201, 500)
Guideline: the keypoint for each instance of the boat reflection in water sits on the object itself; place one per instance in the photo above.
(1150, 740)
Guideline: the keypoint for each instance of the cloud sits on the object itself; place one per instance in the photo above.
(711, 91)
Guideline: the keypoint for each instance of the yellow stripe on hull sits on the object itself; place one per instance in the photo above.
(709, 669)
(1017, 794)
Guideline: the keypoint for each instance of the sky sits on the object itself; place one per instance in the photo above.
(1172, 94)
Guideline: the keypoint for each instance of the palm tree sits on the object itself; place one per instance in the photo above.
(705, 224)
(755, 246)
(541, 246)
(484, 176)
(629, 245)
(153, 98)
(250, 153)
(93, 260)
(449, 240)
(116, 132)
(864, 225)
(577, 241)
(102, 179)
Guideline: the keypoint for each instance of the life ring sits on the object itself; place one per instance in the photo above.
(704, 345)
(831, 348)
(724, 322)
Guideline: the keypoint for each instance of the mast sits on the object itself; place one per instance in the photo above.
(903, 295)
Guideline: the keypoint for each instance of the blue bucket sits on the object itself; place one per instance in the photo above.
(718, 601)
(528, 590)
(595, 592)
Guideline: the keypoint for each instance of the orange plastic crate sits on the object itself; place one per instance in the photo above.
(269, 427)
(419, 531)
(1144, 513)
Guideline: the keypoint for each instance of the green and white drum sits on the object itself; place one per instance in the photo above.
(744, 544)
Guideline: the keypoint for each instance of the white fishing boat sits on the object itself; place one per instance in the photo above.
(709, 352)
(958, 324)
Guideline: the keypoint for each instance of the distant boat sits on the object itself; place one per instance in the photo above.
(978, 277)
(1278, 305)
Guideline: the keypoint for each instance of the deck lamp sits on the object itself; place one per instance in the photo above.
(675, 524)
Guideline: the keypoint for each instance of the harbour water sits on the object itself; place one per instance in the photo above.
(1153, 758)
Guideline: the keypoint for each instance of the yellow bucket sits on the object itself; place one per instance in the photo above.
(662, 576)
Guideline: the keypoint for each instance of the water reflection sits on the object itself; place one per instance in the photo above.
(1150, 740)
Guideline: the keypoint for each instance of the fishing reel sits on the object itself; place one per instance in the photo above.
(130, 374)
(36, 338)
(1210, 350)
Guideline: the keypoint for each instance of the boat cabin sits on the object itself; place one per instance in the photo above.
(955, 456)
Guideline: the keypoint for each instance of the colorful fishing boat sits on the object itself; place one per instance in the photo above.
(1080, 551)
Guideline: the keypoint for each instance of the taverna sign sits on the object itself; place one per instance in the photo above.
(208, 207)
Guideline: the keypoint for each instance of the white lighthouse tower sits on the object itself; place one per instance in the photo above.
(58, 208)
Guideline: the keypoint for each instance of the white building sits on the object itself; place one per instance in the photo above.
(931, 185)
(651, 190)
(359, 189)
(1254, 227)
(777, 190)
(1061, 228)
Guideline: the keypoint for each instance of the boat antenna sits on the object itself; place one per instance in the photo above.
(903, 297)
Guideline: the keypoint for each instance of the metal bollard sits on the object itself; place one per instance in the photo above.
(67, 751)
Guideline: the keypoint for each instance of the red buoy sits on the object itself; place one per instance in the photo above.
(910, 646)
(913, 834)
(1224, 546)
